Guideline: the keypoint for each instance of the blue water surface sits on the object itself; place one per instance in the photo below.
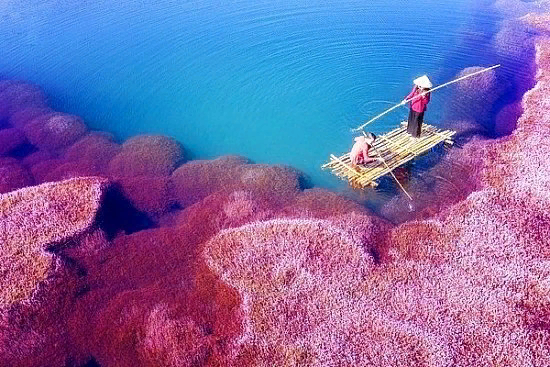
(275, 81)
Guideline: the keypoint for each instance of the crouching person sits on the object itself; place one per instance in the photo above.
(360, 151)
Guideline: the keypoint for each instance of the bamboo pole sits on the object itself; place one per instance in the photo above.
(343, 164)
(422, 146)
(399, 147)
(391, 171)
(424, 93)
(395, 178)
(334, 163)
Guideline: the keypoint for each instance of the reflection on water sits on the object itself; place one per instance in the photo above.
(278, 82)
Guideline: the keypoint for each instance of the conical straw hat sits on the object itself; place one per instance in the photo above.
(423, 82)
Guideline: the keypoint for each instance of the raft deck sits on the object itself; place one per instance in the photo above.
(396, 147)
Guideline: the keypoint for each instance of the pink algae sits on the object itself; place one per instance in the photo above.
(10, 139)
(255, 271)
(13, 175)
(95, 147)
(24, 115)
(320, 203)
(147, 155)
(154, 304)
(507, 118)
(55, 131)
(149, 194)
(36, 157)
(37, 286)
(17, 95)
(196, 180)
(279, 268)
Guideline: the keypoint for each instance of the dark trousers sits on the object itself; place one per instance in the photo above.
(415, 123)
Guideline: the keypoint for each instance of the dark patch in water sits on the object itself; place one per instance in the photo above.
(117, 214)
(57, 249)
(375, 255)
(304, 182)
(4, 124)
(80, 270)
(23, 150)
(207, 329)
(91, 363)
(463, 138)
(82, 291)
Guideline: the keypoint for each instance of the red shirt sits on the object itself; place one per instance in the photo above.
(418, 104)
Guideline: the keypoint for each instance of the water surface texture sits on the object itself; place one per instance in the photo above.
(275, 81)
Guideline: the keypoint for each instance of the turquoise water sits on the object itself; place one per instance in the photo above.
(275, 81)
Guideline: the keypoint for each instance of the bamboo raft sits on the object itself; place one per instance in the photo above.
(396, 148)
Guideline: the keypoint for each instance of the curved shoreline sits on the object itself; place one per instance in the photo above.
(239, 275)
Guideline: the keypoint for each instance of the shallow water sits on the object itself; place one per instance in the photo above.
(277, 82)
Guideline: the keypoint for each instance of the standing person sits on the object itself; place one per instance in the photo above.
(418, 104)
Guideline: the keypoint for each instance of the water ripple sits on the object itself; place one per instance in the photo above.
(255, 71)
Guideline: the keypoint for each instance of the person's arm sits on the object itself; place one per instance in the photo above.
(366, 148)
(353, 154)
(410, 95)
(426, 100)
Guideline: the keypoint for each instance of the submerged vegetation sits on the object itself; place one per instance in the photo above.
(158, 261)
